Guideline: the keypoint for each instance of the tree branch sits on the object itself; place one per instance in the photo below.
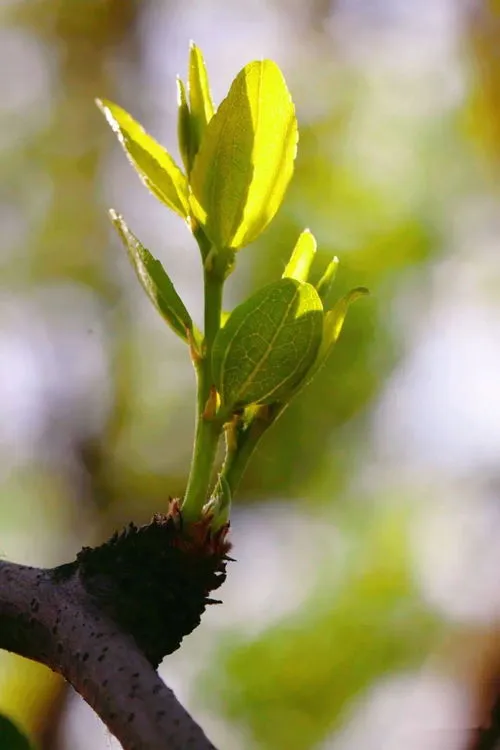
(82, 620)
(487, 735)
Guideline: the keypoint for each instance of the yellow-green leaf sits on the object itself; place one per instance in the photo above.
(326, 281)
(154, 280)
(268, 344)
(333, 323)
(200, 98)
(246, 158)
(155, 166)
(300, 262)
(184, 126)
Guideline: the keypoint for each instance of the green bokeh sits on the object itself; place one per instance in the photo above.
(389, 223)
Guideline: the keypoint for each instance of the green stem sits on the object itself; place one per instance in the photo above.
(237, 460)
(241, 448)
(208, 428)
(213, 311)
(206, 440)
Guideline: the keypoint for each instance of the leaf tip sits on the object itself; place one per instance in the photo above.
(119, 224)
(360, 291)
(104, 105)
(312, 238)
(111, 112)
(354, 294)
(181, 90)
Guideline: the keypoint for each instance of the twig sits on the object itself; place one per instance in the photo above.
(59, 625)
(107, 619)
(487, 736)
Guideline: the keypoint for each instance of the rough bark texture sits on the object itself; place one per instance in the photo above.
(107, 619)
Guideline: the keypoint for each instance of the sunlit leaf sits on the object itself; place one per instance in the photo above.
(300, 262)
(184, 126)
(268, 344)
(200, 98)
(325, 283)
(155, 280)
(11, 737)
(245, 161)
(155, 166)
(333, 323)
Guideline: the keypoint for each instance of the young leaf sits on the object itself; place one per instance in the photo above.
(200, 98)
(246, 158)
(153, 163)
(325, 283)
(155, 281)
(184, 126)
(333, 323)
(299, 265)
(268, 344)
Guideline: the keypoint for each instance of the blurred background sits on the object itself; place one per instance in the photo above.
(364, 607)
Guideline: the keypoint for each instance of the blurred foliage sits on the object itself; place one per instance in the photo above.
(363, 620)
(378, 236)
(52, 176)
(379, 187)
(483, 113)
(10, 737)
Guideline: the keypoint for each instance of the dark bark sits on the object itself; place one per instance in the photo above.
(105, 621)
(487, 736)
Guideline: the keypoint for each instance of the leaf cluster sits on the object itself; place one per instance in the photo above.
(238, 160)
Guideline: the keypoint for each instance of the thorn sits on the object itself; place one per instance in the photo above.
(230, 429)
(210, 409)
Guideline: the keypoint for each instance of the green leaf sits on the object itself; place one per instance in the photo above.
(333, 323)
(155, 166)
(300, 262)
(155, 280)
(268, 344)
(10, 736)
(245, 161)
(325, 283)
(184, 126)
(200, 98)
(224, 317)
